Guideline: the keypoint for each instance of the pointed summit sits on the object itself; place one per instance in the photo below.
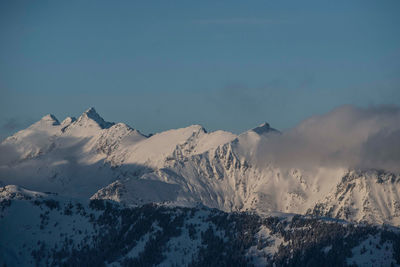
(50, 119)
(197, 128)
(68, 121)
(91, 112)
(91, 115)
(264, 128)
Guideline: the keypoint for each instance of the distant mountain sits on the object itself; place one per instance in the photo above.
(90, 158)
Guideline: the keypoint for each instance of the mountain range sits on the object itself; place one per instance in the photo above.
(89, 159)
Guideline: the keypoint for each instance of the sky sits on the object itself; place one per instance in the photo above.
(230, 65)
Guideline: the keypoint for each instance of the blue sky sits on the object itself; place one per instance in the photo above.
(230, 65)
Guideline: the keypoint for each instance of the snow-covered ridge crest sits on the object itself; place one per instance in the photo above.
(66, 122)
(81, 156)
(90, 115)
(89, 123)
(255, 170)
(17, 192)
(157, 150)
(49, 118)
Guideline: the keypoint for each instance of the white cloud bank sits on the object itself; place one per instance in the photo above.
(347, 137)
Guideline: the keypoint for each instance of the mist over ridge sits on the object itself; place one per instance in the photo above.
(346, 137)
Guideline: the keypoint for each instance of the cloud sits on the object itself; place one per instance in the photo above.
(11, 124)
(348, 137)
(8, 154)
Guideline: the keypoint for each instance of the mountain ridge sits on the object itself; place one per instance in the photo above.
(46, 229)
(91, 158)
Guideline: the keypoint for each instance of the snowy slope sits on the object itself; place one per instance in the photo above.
(88, 157)
(174, 145)
(38, 229)
(68, 158)
(368, 196)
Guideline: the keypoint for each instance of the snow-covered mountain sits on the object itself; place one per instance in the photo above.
(42, 229)
(368, 196)
(88, 157)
